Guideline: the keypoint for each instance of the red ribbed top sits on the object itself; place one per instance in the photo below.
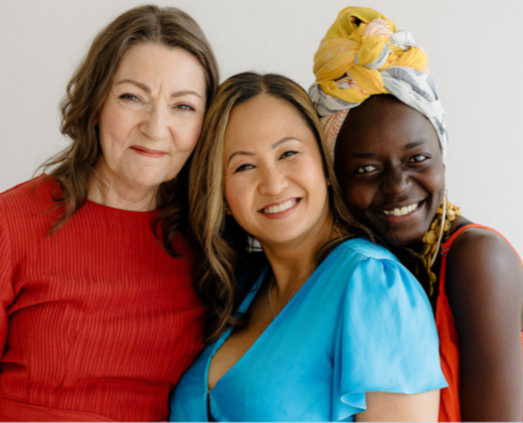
(97, 321)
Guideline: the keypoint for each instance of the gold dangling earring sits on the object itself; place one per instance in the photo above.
(440, 227)
(441, 230)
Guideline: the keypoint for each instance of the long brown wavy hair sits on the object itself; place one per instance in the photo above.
(73, 167)
(227, 246)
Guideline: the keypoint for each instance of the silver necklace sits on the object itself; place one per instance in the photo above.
(299, 285)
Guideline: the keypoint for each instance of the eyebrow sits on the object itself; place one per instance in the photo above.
(250, 153)
(364, 155)
(414, 144)
(409, 146)
(240, 153)
(148, 90)
(280, 142)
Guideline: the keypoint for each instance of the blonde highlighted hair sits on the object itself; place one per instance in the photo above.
(226, 246)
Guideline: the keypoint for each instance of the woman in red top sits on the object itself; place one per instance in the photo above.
(98, 315)
(386, 127)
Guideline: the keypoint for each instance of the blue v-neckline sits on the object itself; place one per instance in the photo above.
(246, 303)
(242, 309)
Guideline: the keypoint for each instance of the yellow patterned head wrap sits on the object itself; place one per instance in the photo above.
(363, 54)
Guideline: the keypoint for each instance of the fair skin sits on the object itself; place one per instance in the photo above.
(275, 188)
(148, 125)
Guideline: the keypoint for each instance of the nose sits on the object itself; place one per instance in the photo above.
(273, 182)
(154, 125)
(396, 182)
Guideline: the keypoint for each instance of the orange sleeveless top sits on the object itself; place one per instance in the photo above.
(450, 410)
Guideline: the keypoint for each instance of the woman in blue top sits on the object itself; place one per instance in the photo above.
(333, 328)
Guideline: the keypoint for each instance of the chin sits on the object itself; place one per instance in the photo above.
(404, 239)
(402, 234)
(277, 238)
(147, 179)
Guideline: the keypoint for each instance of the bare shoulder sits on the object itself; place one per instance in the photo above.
(481, 239)
(483, 269)
(479, 250)
(484, 286)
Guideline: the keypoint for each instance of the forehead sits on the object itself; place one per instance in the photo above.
(265, 119)
(385, 123)
(155, 64)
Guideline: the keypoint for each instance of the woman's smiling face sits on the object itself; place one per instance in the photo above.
(274, 179)
(391, 170)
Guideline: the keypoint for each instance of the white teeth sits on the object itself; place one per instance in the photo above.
(280, 208)
(401, 212)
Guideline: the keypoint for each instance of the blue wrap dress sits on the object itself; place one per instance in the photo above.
(361, 323)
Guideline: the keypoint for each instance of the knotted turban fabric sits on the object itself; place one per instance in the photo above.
(362, 55)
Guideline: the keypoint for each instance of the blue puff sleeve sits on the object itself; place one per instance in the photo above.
(386, 338)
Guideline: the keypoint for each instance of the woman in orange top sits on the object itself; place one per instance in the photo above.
(389, 157)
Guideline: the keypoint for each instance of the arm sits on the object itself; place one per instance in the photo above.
(388, 362)
(485, 292)
(387, 407)
(6, 286)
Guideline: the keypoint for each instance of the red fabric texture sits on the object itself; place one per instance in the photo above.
(450, 409)
(97, 321)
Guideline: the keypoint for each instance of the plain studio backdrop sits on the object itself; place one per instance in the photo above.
(474, 49)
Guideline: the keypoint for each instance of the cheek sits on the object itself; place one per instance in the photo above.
(185, 134)
(441, 179)
(309, 174)
(114, 129)
(359, 200)
(434, 182)
(184, 139)
(358, 196)
(239, 196)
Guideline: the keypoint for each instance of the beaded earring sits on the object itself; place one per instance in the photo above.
(439, 229)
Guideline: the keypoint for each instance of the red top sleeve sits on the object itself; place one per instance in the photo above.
(6, 282)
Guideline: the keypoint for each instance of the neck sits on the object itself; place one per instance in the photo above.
(109, 190)
(293, 262)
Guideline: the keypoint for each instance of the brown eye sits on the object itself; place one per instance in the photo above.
(418, 158)
(244, 167)
(366, 169)
(129, 97)
(288, 153)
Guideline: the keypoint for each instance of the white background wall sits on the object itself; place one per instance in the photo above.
(474, 49)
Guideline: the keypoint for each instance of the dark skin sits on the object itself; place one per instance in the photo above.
(388, 157)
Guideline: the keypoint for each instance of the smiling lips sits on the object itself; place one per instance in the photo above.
(401, 211)
(280, 210)
(281, 207)
(155, 154)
